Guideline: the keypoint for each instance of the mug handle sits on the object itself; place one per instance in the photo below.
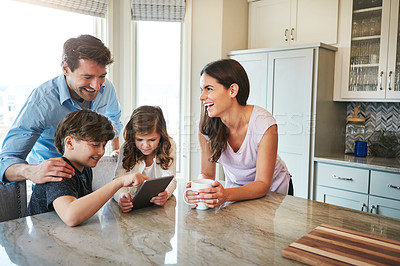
(185, 199)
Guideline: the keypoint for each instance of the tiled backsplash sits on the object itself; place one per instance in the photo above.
(378, 116)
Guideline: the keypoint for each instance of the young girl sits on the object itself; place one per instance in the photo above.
(148, 151)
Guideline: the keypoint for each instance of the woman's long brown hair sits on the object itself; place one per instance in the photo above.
(142, 121)
(226, 72)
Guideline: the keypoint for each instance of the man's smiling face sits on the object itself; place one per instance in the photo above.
(87, 79)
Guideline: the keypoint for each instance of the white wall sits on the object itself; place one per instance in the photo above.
(212, 28)
(218, 26)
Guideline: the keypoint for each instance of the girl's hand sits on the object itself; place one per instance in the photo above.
(160, 199)
(213, 197)
(125, 202)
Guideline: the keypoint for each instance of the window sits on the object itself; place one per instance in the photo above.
(30, 51)
(158, 68)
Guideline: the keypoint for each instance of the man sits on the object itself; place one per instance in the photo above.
(83, 85)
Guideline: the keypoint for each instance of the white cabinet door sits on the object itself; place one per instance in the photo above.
(368, 66)
(255, 65)
(269, 23)
(316, 21)
(277, 23)
(290, 76)
(348, 199)
(393, 70)
(386, 207)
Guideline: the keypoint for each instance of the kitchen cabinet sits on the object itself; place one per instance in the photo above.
(296, 86)
(368, 60)
(348, 199)
(384, 206)
(361, 189)
(255, 65)
(276, 23)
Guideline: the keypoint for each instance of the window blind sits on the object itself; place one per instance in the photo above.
(96, 8)
(158, 10)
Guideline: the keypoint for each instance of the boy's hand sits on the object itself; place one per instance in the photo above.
(160, 199)
(133, 180)
(125, 202)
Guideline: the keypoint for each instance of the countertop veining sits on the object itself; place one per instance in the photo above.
(252, 232)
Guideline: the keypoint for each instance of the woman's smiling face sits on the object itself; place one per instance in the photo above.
(214, 96)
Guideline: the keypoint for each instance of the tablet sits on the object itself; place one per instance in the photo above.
(149, 189)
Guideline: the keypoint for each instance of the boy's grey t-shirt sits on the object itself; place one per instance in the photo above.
(43, 195)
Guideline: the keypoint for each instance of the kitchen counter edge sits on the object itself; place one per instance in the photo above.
(369, 162)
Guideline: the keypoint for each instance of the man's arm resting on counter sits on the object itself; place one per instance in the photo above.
(50, 170)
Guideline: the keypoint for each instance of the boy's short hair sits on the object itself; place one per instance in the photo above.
(83, 125)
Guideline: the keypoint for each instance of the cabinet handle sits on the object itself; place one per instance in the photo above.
(374, 208)
(393, 186)
(342, 178)
(291, 34)
(286, 35)
(390, 80)
(364, 206)
(380, 80)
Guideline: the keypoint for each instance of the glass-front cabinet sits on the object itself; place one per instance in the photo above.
(374, 61)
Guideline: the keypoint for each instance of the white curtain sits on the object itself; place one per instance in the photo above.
(96, 8)
(158, 10)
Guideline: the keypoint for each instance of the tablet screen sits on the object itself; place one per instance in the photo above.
(149, 189)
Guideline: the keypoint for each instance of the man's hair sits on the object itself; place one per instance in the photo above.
(83, 125)
(85, 47)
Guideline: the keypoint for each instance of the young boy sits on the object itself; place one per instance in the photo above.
(81, 137)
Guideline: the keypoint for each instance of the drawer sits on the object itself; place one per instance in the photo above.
(385, 184)
(343, 177)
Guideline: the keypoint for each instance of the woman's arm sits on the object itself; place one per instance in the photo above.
(74, 211)
(265, 166)
(207, 167)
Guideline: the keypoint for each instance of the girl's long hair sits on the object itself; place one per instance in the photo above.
(226, 72)
(142, 121)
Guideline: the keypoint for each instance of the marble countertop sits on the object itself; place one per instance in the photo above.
(250, 232)
(369, 162)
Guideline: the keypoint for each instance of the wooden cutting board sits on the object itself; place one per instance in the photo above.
(331, 245)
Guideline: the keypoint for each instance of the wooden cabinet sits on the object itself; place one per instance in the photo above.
(277, 23)
(294, 84)
(360, 189)
(368, 60)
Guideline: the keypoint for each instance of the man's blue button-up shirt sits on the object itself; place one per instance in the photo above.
(33, 130)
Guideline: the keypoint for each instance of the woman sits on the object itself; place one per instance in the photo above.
(243, 138)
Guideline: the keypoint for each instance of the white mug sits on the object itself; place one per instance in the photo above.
(195, 186)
